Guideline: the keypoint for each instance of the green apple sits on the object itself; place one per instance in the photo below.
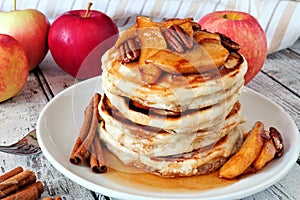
(30, 27)
(13, 67)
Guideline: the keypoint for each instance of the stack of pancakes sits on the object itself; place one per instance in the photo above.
(166, 112)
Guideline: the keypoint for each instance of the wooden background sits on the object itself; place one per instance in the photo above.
(279, 81)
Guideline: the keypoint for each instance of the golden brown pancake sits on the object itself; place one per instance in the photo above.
(179, 122)
(173, 92)
(171, 98)
(159, 142)
(200, 161)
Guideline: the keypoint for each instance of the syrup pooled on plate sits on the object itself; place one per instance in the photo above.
(135, 178)
(145, 181)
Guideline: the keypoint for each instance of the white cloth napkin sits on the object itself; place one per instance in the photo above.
(279, 18)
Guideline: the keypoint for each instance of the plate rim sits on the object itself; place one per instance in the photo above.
(123, 195)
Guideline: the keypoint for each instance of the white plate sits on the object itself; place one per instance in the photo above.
(60, 121)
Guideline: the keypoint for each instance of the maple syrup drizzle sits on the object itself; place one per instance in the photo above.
(135, 178)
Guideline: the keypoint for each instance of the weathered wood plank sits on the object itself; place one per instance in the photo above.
(277, 93)
(54, 182)
(296, 47)
(53, 78)
(19, 114)
(284, 67)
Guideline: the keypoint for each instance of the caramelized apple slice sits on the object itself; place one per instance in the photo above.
(185, 24)
(129, 33)
(201, 36)
(201, 59)
(188, 28)
(149, 73)
(234, 60)
(266, 155)
(176, 21)
(145, 22)
(246, 154)
(141, 22)
(217, 52)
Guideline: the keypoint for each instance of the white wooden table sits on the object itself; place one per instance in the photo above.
(279, 80)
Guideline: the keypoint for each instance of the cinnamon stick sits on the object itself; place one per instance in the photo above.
(16, 182)
(88, 142)
(11, 173)
(82, 152)
(97, 162)
(83, 132)
(93, 160)
(31, 192)
(97, 98)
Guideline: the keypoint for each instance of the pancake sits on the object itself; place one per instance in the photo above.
(172, 92)
(188, 121)
(171, 98)
(200, 161)
(158, 142)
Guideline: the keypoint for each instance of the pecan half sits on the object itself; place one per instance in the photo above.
(277, 140)
(228, 43)
(129, 50)
(177, 39)
(196, 26)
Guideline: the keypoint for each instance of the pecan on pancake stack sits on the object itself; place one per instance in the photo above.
(171, 98)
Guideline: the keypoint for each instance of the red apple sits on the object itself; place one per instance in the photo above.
(77, 40)
(30, 27)
(13, 67)
(245, 30)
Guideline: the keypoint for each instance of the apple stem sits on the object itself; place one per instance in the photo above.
(225, 16)
(88, 10)
(15, 5)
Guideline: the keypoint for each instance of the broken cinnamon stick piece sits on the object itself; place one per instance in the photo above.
(17, 182)
(11, 173)
(83, 132)
(97, 162)
(82, 152)
(31, 192)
